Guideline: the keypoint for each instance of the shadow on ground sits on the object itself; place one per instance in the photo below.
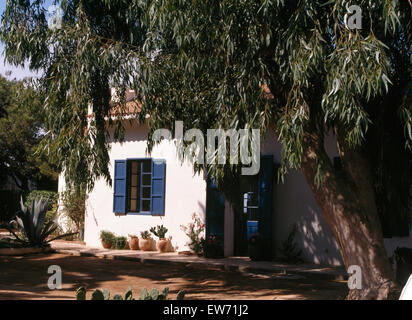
(26, 278)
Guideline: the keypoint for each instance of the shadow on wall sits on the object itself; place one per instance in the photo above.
(295, 204)
(316, 239)
(202, 212)
(90, 208)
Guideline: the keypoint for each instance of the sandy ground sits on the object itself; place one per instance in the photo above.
(26, 278)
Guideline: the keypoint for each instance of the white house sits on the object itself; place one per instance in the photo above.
(153, 189)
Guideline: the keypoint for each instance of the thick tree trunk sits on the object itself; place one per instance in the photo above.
(346, 199)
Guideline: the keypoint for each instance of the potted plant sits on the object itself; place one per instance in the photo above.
(160, 232)
(107, 239)
(145, 241)
(255, 247)
(120, 243)
(134, 242)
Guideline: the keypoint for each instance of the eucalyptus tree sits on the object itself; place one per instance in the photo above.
(296, 66)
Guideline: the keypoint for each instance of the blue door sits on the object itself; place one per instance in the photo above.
(215, 212)
(259, 216)
(265, 200)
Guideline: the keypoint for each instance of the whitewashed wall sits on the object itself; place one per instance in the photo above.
(185, 194)
(293, 203)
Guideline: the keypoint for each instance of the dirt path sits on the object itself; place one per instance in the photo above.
(26, 278)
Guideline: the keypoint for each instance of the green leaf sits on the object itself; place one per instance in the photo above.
(154, 294)
(97, 295)
(117, 297)
(81, 293)
(180, 295)
(106, 294)
(129, 294)
(165, 292)
(143, 294)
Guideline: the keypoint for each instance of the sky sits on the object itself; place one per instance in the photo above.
(17, 72)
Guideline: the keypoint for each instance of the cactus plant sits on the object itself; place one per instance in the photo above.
(143, 294)
(128, 295)
(145, 234)
(97, 295)
(154, 294)
(106, 294)
(180, 295)
(165, 292)
(81, 293)
(159, 231)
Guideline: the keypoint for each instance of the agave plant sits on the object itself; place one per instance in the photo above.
(30, 223)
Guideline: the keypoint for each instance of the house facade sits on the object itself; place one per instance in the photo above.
(156, 188)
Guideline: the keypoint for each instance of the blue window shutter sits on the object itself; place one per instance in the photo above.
(158, 186)
(119, 195)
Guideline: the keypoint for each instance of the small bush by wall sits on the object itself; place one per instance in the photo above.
(74, 207)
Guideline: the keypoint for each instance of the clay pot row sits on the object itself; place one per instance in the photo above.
(146, 244)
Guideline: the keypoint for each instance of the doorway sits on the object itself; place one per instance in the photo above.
(259, 190)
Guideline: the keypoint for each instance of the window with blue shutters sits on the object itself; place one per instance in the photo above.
(139, 186)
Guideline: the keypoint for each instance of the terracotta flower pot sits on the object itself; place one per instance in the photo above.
(106, 245)
(134, 243)
(162, 245)
(145, 244)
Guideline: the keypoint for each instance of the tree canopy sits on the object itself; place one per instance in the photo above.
(211, 58)
(207, 61)
(21, 130)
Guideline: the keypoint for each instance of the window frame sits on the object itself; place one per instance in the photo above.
(140, 187)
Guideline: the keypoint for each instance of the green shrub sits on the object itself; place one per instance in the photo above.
(120, 242)
(110, 238)
(51, 196)
(74, 207)
(107, 237)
